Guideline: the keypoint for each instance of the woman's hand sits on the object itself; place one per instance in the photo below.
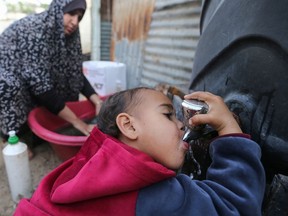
(83, 127)
(218, 115)
(77, 123)
(98, 107)
(97, 102)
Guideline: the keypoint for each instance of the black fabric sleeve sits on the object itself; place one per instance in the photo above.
(87, 89)
(51, 101)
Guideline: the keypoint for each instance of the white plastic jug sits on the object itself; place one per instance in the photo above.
(16, 161)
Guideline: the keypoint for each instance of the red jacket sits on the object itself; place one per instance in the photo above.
(103, 179)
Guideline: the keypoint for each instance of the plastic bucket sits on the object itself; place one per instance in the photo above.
(45, 125)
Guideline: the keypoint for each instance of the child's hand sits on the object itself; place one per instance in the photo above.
(218, 115)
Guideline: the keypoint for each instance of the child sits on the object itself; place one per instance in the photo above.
(127, 165)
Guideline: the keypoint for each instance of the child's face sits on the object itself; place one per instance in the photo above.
(160, 134)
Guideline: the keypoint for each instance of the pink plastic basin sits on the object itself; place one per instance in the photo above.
(45, 124)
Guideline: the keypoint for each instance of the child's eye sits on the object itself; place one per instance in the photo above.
(169, 115)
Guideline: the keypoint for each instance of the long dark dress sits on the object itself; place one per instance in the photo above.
(35, 58)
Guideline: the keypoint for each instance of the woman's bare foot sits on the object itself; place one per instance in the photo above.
(30, 154)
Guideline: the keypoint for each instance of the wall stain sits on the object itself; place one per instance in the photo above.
(131, 20)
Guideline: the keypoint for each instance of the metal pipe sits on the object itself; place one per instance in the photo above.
(96, 29)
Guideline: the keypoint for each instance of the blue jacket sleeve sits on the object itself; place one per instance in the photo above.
(235, 185)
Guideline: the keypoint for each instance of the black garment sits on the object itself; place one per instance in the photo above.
(242, 56)
(74, 5)
(55, 103)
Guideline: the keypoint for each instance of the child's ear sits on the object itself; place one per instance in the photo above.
(125, 124)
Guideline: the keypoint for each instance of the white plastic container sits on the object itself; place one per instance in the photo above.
(16, 161)
(1, 155)
(106, 77)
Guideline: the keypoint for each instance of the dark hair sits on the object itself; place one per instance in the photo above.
(123, 101)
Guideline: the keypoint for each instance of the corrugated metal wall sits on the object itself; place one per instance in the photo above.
(131, 22)
(170, 47)
(165, 52)
(106, 26)
(105, 40)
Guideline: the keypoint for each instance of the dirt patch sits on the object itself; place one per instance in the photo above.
(43, 162)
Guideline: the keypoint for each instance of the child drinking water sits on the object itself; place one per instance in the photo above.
(128, 164)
